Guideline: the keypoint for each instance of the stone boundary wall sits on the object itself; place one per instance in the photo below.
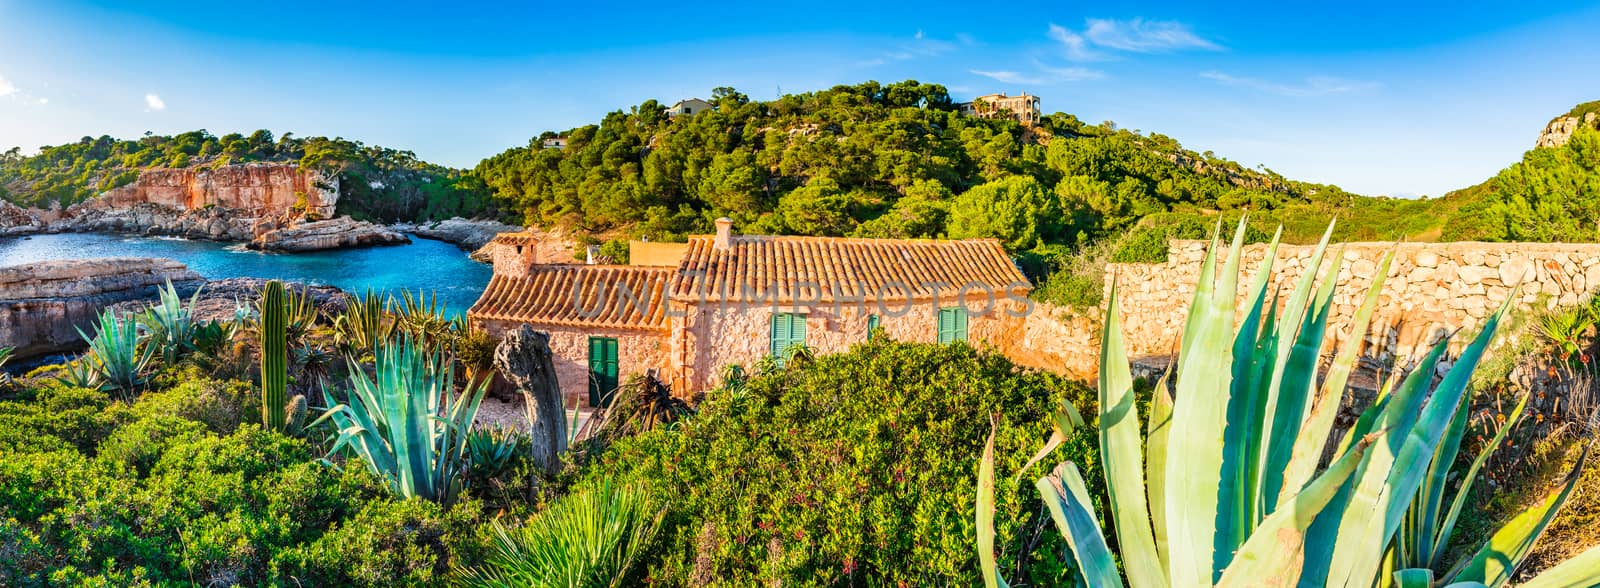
(1432, 289)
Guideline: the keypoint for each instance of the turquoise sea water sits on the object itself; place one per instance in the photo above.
(424, 265)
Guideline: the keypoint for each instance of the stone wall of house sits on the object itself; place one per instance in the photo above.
(711, 337)
(638, 351)
(1432, 289)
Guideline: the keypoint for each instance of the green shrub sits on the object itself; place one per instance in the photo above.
(221, 405)
(410, 542)
(136, 446)
(51, 416)
(854, 467)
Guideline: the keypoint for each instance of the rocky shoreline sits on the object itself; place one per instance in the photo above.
(44, 305)
(272, 207)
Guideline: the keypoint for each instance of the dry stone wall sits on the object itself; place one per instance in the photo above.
(1432, 289)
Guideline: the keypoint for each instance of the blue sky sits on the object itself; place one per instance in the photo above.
(1377, 98)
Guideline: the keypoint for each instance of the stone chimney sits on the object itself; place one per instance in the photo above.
(593, 255)
(724, 234)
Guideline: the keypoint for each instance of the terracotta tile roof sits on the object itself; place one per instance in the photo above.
(759, 268)
(613, 296)
(523, 238)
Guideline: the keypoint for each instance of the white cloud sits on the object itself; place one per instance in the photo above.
(1076, 47)
(6, 87)
(1313, 86)
(1142, 36)
(1009, 77)
(44, 101)
(1102, 36)
(1071, 74)
(1045, 75)
(154, 102)
(919, 46)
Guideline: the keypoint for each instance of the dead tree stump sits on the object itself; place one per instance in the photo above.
(525, 360)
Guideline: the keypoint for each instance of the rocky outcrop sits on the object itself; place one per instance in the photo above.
(263, 189)
(220, 299)
(15, 220)
(1560, 130)
(216, 224)
(42, 305)
(469, 235)
(277, 206)
(342, 232)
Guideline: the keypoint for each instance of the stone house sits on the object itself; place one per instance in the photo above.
(735, 299)
(1024, 108)
(689, 107)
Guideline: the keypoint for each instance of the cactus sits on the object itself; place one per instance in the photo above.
(274, 357)
(297, 410)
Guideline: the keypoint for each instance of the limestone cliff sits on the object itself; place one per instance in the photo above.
(1561, 128)
(42, 305)
(266, 189)
(275, 206)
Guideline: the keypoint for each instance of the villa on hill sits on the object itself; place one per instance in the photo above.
(1024, 108)
(689, 107)
(687, 310)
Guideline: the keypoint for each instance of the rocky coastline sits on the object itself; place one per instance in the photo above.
(471, 235)
(271, 207)
(44, 305)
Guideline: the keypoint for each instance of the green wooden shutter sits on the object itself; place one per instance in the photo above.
(788, 330)
(872, 325)
(952, 324)
(602, 370)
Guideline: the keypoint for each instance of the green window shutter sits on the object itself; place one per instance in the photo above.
(602, 370)
(952, 325)
(872, 325)
(788, 330)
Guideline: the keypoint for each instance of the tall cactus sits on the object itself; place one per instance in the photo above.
(274, 357)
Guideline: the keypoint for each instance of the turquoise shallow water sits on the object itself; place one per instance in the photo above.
(424, 265)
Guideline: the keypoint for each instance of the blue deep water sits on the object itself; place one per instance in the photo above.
(425, 265)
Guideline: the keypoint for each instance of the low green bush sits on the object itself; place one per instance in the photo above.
(175, 490)
(410, 542)
(850, 468)
(50, 416)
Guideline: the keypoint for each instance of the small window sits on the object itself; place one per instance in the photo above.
(872, 325)
(788, 333)
(952, 324)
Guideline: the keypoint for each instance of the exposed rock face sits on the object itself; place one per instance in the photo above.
(264, 189)
(217, 224)
(469, 235)
(337, 233)
(1560, 130)
(524, 359)
(17, 221)
(278, 206)
(42, 305)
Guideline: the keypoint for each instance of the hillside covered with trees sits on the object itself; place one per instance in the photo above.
(872, 160)
(375, 182)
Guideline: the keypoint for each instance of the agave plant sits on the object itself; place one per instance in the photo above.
(80, 373)
(1244, 504)
(116, 352)
(405, 422)
(588, 538)
(364, 325)
(490, 450)
(424, 317)
(170, 323)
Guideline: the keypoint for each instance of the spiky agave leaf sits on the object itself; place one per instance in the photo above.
(406, 423)
(1068, 501)
(1122, 455)
(1504, 551)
